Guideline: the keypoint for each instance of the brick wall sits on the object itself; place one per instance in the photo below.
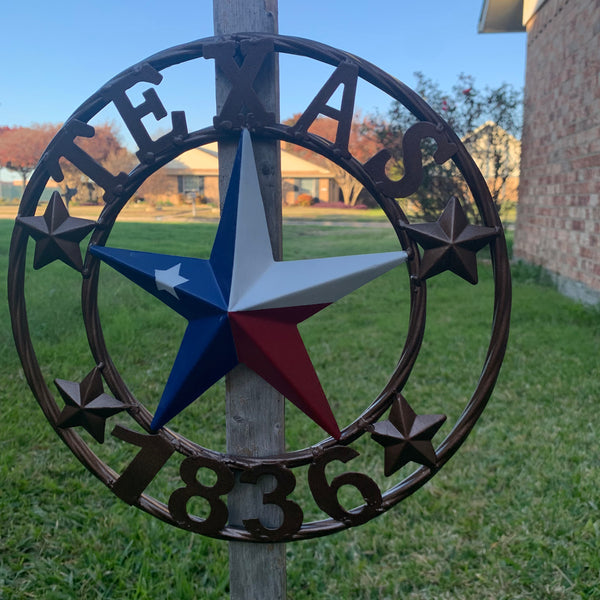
(558, 221)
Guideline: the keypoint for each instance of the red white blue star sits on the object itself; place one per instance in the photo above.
(243, 306)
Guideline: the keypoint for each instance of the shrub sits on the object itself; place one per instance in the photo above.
(305, 200)
(341, 205)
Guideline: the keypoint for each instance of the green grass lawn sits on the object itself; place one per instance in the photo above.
(514, 515)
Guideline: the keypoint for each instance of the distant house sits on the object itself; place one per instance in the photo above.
(558, 217)
(12, 190)
(196, 173)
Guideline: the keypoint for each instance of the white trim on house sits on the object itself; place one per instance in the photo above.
(500, 16)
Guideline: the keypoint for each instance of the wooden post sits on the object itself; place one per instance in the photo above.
(255, 411)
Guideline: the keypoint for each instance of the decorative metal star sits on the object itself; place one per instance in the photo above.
(407, 436)
(86, 404)
(242, 305)
(450, 244)
(57, 235)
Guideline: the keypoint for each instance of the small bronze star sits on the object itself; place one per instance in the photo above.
(450, 244)
(86, 404)
(57, 235)
(407, 436)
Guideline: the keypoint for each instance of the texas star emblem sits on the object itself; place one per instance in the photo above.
(243, 306)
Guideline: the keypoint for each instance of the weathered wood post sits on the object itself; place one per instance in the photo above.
(255, 411)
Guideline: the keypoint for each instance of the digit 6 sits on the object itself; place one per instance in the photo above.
(325, 494)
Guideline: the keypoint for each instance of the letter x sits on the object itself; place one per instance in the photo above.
(242, 78)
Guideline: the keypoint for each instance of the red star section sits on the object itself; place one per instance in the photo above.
(269, 343)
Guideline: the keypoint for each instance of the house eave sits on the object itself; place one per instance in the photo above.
(501, 16)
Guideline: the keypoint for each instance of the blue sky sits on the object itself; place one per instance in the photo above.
(56, 54)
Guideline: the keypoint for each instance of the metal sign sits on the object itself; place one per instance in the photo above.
(242, 306)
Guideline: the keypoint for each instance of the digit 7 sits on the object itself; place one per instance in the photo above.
(155, 452)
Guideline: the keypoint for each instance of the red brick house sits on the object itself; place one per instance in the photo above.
(558, 219)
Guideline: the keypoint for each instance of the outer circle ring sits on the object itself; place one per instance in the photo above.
(473, 178)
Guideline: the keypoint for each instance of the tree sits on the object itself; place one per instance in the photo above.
(363, 144)
(3, 129)
(21, 147)
(487, 121)
(159, 186)
(105, 148)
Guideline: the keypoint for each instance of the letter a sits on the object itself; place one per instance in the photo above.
(347, 75)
